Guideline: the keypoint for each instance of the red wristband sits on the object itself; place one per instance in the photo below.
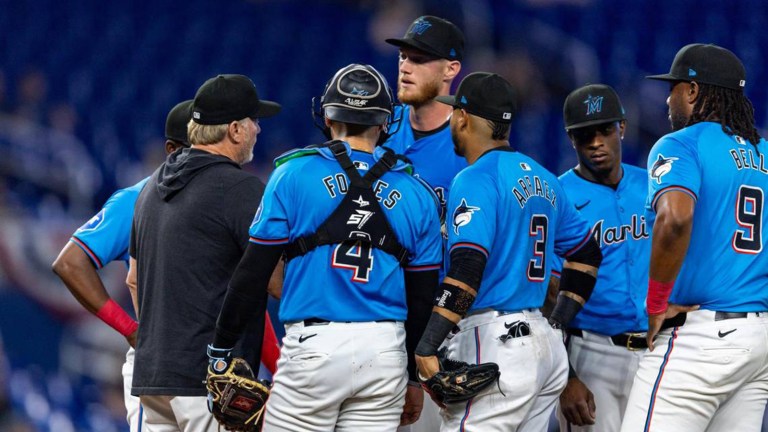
(658, 295)
(112, 314)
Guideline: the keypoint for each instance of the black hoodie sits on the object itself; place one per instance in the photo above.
(190, 229)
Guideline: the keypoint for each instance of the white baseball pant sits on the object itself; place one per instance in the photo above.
(705, 375)
(608, 371)
(534, 370)
(339, 377)
(178, 414)
(134, 411)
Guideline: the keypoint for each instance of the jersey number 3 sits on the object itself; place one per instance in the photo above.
(357, 257)
(748, 238)
(537, 266)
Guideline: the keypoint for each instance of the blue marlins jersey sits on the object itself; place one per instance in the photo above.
(512, 210)
(105, 236)
(337, 282)
(726, 267)
(432, 156)
(617, 217)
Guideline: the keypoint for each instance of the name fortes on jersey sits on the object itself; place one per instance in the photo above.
(636, 230)
(528, 189)
(338, 184)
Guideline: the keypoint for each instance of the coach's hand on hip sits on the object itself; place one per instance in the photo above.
(655, 321)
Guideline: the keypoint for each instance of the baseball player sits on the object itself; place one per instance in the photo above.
(362, 239)
(431, 52)
(104, 238)
(430, 58)
(508, 217)
(706, 369)
(607, 338)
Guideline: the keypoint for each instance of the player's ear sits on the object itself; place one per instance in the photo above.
(452, 69)
(693, 92)
(622, 128)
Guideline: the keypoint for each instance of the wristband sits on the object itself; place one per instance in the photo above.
(117, 318)
(658, 295)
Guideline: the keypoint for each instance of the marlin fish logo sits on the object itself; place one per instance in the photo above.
(420, 26)
(661, 167)
(594, 104)
(359, 92)
(463, 215)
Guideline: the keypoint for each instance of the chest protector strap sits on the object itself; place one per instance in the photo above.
(359, 217)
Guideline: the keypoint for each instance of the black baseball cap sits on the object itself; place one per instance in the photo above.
(435, 36)
(176, 122)
(485, 95)
(590, 105)
(357, 94)
(706, 64)
(227, 98)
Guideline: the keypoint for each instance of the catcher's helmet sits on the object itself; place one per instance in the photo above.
(357, 94)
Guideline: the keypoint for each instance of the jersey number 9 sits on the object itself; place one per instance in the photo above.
(749, 216)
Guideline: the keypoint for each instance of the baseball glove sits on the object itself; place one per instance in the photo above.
(458, 381)
(236, 399)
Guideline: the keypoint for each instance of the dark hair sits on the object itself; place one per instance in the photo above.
(499, 131)
(730, 107)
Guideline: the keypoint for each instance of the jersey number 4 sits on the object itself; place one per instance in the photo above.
(537, 268)
(748, 238)
(357, 257)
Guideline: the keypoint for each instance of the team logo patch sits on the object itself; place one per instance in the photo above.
(661, 167)
(93, 222)
(463, 215)
(594, 104)
(257, 216)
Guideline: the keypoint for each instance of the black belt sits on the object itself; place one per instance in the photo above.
(630, 341)
(317, 321)
(679, 320)
(722, 316)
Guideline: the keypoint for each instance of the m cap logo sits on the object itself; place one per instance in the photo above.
(420, 26)
(594, 104)
(661, 167)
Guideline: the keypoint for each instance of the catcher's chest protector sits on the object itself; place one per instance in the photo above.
(359, 217)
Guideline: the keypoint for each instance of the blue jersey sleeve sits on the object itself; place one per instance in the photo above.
(572, 231)
(472, 213)
(106, 235)
(270, 224)
(672, 165)
(429, 243)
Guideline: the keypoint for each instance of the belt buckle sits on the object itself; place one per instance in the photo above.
(629, 340)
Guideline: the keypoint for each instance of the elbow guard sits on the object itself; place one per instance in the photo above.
(589, 254)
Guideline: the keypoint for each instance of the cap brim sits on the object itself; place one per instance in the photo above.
(593, 122)
(268, 109)
(448, 100)
(412, 43)
(663, 77)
